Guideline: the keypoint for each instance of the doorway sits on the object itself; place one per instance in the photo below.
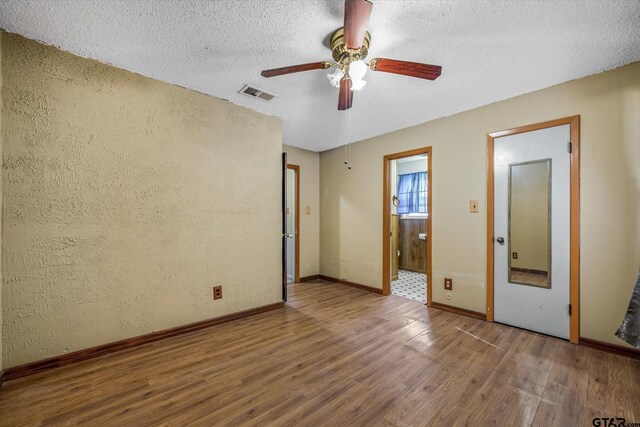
(292, 214)
(532, 224)
(407, 221)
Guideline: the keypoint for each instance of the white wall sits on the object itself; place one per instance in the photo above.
(413, 166)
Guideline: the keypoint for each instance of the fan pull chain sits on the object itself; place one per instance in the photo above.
(347, 156)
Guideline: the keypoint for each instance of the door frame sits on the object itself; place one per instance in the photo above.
(574, 213)
(296, 272)
(386, 218)
(283, 225)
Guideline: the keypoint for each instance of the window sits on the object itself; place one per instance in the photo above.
(412, 193)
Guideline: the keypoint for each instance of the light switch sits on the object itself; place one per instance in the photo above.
(473, 206)
(308, 210)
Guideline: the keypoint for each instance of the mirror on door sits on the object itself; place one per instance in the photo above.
(530, 223)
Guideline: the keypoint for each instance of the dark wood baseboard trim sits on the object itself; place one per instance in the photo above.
(309, 278)
(458, 310)
(351, 284)
(359, 286)
(610, 348)
(1, 377)
(93, 352)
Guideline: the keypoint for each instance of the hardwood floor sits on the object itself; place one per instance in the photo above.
(337, 356)
(535, 279)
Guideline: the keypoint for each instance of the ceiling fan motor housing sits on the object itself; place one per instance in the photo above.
(341, 53)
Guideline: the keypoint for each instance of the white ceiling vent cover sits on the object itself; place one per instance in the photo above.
(256, 93)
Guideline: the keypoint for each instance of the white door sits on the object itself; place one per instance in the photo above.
(291, 225)
(531, 226)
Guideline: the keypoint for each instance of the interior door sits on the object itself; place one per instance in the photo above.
(291, 225)
(531, 228)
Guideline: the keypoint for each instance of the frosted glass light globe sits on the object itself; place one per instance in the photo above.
(335, 77)
(357, 70)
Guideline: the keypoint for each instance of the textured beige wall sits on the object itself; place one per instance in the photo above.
(609, 103)
(1, 192)
(125, 200)
(309, 163)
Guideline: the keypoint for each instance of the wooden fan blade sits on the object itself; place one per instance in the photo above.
(296, 69)
(406, 68)
(345, 99)
(356, 19)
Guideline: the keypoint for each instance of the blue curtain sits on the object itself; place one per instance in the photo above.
(412, 193)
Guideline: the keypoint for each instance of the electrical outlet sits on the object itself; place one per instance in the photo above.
(448, 284)
(217, 292)
(473, 206)
(515, 255)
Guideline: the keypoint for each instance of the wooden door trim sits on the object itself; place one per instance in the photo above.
(574, 227)
(296, 273)
(283, 229)
(386, 218)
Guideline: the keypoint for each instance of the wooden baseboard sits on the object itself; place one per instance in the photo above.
(610, 348)
(359, 286)
(1, 377)
(458, 310)
(351, 284)
(101, 350)
(309, 278)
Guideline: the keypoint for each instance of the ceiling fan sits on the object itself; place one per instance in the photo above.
(349, 47)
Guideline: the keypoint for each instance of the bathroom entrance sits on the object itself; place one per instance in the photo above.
(407, 225)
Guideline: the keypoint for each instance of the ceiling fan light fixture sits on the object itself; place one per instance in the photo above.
(357, 71)
(349, 46)
(335, 77)
(358, 84)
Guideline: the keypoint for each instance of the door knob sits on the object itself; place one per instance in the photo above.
(500, 240)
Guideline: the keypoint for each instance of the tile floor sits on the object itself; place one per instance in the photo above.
(410, 285)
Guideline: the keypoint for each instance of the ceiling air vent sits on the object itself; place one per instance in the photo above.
(256, 93)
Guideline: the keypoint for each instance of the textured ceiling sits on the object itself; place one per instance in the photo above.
(489, 50)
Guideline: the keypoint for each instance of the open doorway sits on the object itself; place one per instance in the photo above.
(292, 215)
(407, 225)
